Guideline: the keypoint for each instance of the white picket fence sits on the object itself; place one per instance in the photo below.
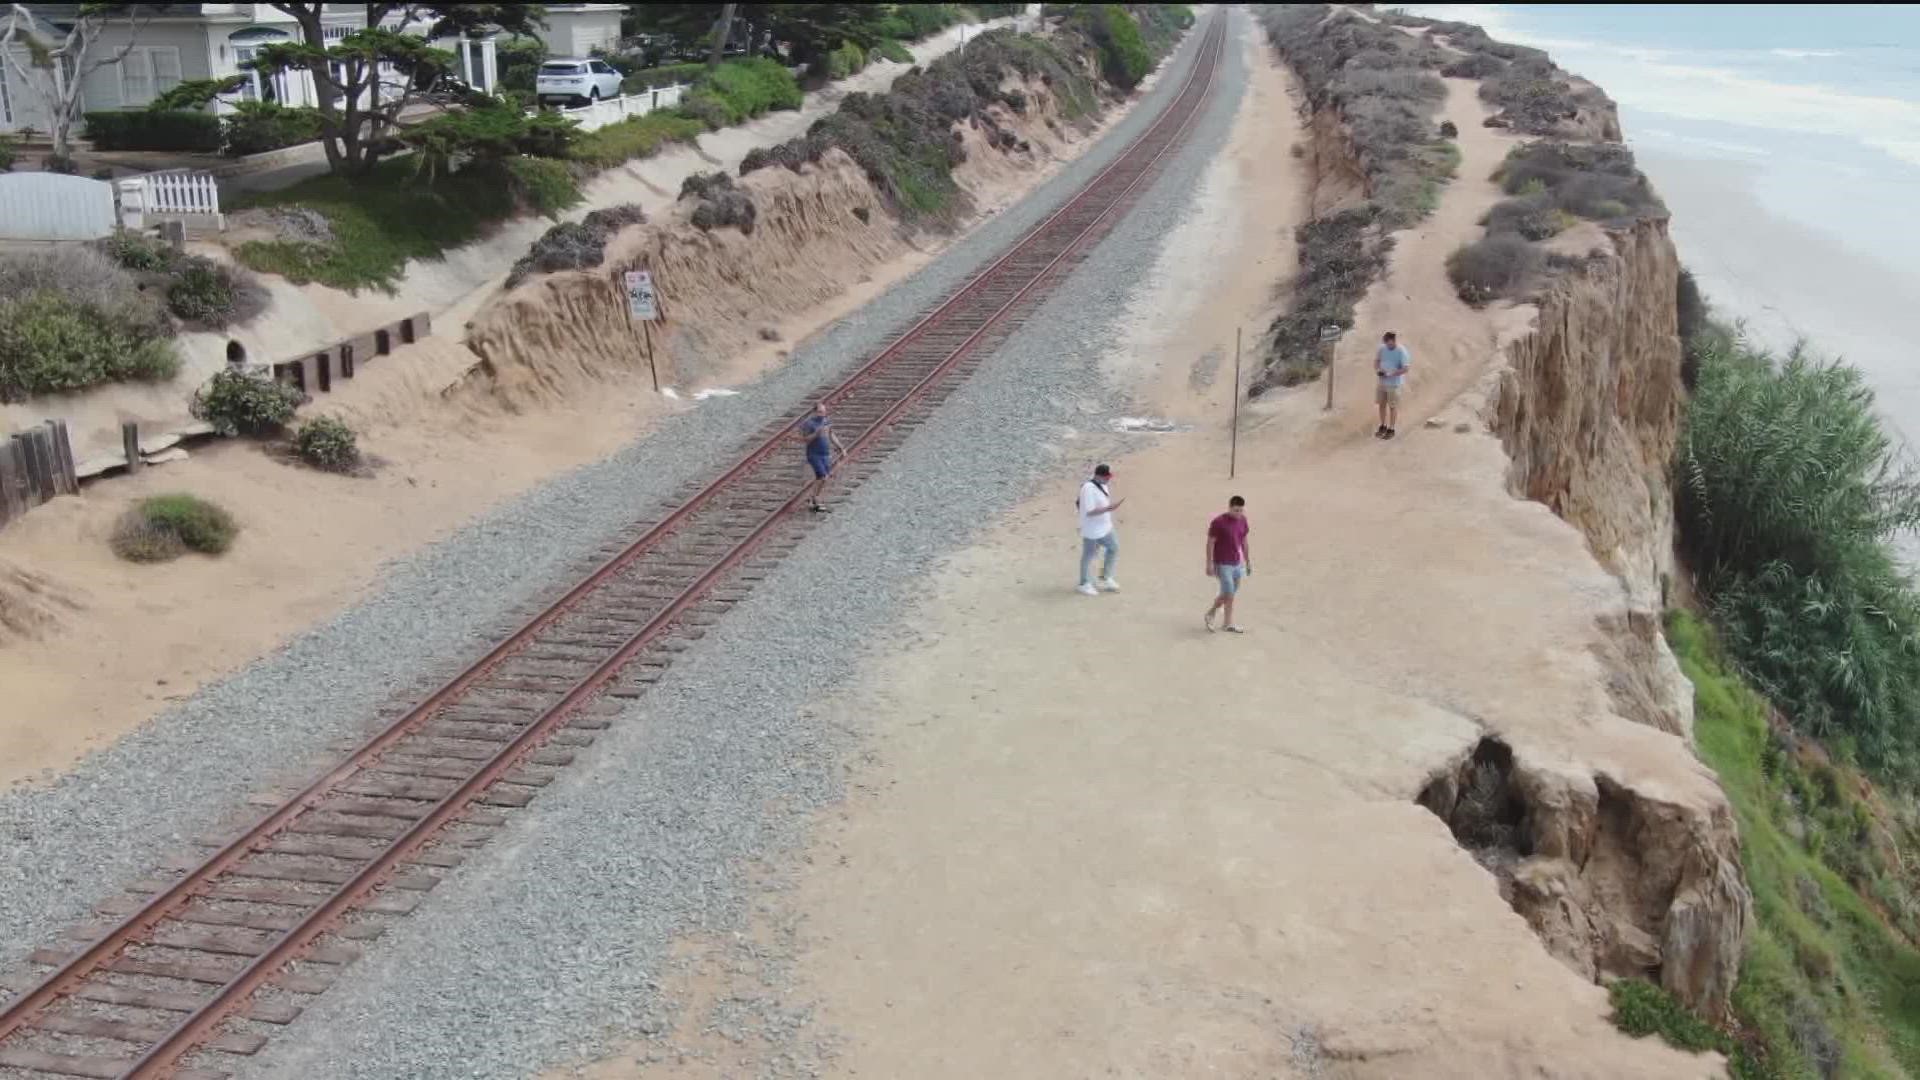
(599, 114)
(176, 193)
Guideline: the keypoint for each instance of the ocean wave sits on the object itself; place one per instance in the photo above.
(1804, 54)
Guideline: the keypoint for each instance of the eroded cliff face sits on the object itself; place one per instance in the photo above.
(1588, 405)
(1618, 875)
(816, 233)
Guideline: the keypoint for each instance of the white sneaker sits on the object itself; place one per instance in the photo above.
(1087, 590)
(1109, 585)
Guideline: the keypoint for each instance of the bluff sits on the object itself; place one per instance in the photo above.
(1620, 873)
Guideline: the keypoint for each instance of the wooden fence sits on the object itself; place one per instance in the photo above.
(35, 465)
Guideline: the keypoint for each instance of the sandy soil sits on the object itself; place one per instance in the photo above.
(90, 647)
(1093, 839)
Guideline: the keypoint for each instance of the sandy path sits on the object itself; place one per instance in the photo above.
(1095, 840)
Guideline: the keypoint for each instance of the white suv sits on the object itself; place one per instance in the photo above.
(570, 81)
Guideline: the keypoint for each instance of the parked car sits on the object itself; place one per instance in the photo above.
(572, 81)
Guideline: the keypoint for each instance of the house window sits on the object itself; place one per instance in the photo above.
(147, 72)
(246, 46)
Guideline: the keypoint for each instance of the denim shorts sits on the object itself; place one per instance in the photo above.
(1229, 575)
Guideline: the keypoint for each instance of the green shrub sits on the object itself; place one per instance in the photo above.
(179, 130)
(202, 526)
(654, 78)
(238, 403)
(1124, 58)
(165, 526)
(748, 88)
(1788, 495)
(1641, 1008)
(575, 245)
(890, 49)
(208, 295)
(255, 127)
(1598, 181)
(138, 251)
(846, 60)
(1492, 267)
(1531, 217)
(639, 137)
(328, 444)
(58, 342)
(9, 153)
(137, 539)
(543, 185)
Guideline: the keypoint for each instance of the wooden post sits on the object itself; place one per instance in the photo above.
(646, 334)
(1233, 453)
(130, 442)
(13, 483)
(1329, 349)
(68, 480)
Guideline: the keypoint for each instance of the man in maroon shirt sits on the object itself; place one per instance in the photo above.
(1228, 558)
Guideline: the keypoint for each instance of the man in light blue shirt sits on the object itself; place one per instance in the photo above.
(1390, 364)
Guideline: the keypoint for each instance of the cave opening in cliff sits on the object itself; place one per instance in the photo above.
(1482, 806)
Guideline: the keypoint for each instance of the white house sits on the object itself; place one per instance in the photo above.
(181, 42)
(578, 29)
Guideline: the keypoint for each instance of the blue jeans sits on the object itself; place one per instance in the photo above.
(1109, 543)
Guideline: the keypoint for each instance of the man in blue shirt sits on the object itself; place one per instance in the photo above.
(1390, 364)
(822, 444)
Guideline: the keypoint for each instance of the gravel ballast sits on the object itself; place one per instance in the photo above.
(550, 942)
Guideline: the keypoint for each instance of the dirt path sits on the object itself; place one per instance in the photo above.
(1094, 839)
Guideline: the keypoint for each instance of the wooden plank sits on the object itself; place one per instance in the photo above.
(33, 452)
(89, 1065)
(267, 1012)
(69, 482)
(13, 483)
(102, 1028)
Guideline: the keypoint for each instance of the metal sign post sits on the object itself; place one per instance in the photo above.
(1233, 453)
(643, 307)
(1330, 334)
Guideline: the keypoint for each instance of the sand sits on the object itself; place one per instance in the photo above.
(1090, 838)
(91, 647)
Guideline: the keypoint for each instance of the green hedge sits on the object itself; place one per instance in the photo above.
(182, 130)
(654, 78)
(260, 126)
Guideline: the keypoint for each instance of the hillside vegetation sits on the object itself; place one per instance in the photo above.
(1381, 87)
(904, 139)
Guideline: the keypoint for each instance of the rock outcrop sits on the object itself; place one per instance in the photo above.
(1619, 880)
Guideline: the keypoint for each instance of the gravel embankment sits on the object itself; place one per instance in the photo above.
(550, 942)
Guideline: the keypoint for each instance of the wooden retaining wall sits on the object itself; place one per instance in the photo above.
(35, 465)
(315, 372)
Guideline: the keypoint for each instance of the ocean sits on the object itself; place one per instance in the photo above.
(1786, 141)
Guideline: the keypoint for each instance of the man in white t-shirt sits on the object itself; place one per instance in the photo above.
(1096, 505)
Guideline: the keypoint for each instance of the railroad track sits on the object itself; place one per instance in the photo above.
(190, 967)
